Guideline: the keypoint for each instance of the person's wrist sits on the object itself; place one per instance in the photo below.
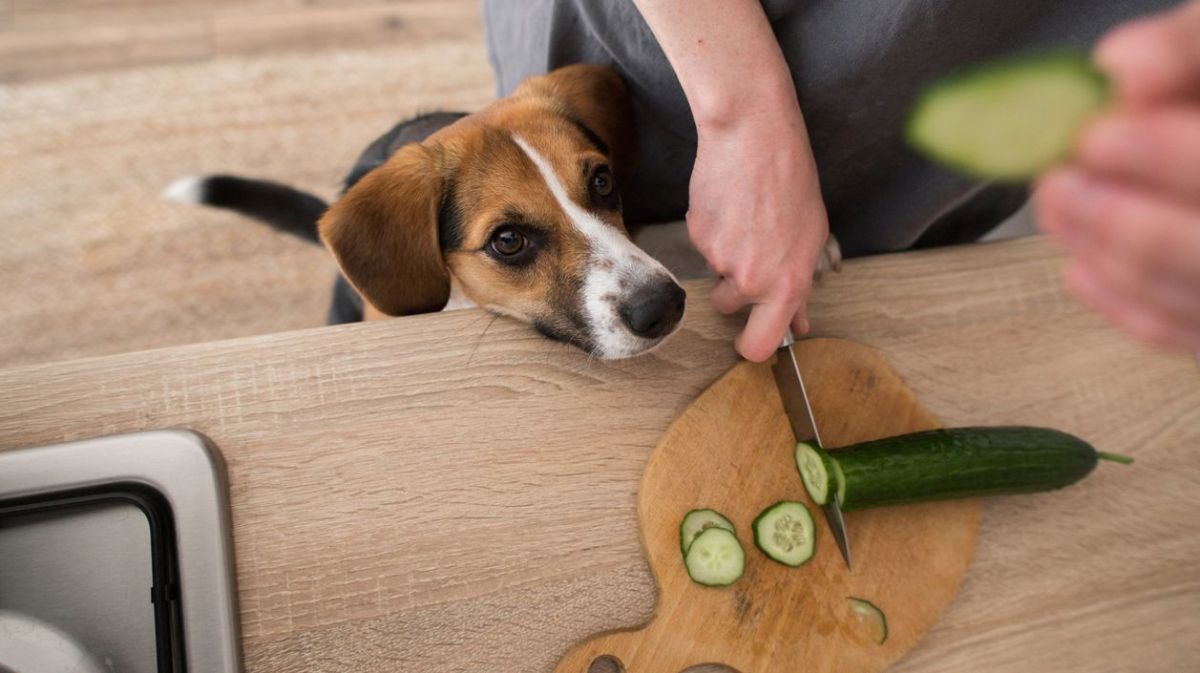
(763, 103)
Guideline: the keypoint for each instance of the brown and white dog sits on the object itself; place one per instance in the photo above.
(515, 208)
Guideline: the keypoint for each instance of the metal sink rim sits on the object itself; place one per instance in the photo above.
(189, 473)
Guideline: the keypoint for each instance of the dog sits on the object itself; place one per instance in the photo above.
(515, 208)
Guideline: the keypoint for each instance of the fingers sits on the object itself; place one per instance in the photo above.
(1093, 216)
(1159, 150)
(765, 330)
(1143, 320)
(767, 324)
(1174, 302)
(726, 298)
(1130, 211)
(1134, 251)
(1156, 59)
(800, 324)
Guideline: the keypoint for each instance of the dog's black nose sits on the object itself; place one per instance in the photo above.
(654, 310)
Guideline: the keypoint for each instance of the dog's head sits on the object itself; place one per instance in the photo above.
(519, 204)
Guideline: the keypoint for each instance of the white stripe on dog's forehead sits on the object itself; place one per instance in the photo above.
(596, 231)
(604, 285)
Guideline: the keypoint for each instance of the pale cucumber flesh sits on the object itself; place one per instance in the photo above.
(715, 558)
(814, 472)
(870, 618)
(1011, 119)
(785, 533)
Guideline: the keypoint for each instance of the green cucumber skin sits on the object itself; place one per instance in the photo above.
(954, 463)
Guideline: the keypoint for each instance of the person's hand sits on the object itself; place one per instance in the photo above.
(1127, 208)
(754, 207)
(755, 213)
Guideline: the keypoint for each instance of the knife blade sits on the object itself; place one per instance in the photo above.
(799, 413)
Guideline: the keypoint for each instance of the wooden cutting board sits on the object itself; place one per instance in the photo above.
(732, 450)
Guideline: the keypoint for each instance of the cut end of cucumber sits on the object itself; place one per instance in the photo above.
(840, 477)
(814, 471)
(696, 522)
(1011, 119)
(872, 619)
(715, 558)
(785, 533)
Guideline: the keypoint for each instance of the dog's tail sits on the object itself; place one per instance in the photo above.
(282, 207)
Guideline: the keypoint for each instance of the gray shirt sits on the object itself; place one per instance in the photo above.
(857, 64)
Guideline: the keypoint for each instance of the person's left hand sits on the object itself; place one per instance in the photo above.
(1127, 208)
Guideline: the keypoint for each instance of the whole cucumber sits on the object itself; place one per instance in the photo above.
(952, 463)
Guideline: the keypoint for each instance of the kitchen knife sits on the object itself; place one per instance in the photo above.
(804, 427)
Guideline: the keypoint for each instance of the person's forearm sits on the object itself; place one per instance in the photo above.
(726, 58)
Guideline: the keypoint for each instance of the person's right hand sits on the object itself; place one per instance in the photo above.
(755, 213)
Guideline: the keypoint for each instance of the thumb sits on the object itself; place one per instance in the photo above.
(765, 328)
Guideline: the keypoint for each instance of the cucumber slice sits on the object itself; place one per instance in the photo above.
(785, 533)
(697, 521)
(815, 467)
(871, 618)
(715, 558)
(1010, 119)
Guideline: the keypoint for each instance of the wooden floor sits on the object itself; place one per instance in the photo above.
(50, 38)
(105, 102)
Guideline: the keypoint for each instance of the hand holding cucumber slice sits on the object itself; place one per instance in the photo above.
(1011, 119)
(947, 464)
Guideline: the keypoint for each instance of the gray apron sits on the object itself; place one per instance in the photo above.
(857, 64)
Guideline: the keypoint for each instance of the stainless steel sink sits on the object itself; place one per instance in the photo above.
(116, 556)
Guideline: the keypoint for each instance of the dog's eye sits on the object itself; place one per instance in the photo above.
(507, 241)
(602, 183)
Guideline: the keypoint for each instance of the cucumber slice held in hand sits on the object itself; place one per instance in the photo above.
(785, 533)
(871, 618)
(696, 522)
(715, 558)
(1010, 119)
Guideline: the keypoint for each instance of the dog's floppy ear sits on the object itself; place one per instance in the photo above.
(596, 98)
(384, 234)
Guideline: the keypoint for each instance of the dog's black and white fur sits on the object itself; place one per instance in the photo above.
(295, 212)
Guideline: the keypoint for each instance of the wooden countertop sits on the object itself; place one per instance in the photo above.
(453, 493)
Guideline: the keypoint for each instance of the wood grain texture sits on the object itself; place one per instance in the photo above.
(732, 450)
(96, 263)
(454, 493)
(41, 40)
